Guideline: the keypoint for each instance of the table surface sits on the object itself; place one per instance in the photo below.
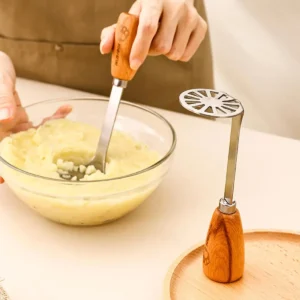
(128, 259)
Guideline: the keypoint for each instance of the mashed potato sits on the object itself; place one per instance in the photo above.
(38, 151)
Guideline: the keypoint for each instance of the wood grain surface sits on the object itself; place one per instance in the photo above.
(272, 272)
(125, 34)
(223, 254)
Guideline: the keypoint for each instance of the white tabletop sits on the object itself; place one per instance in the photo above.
(128, 259)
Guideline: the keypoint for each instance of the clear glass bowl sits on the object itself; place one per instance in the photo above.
(93, 202)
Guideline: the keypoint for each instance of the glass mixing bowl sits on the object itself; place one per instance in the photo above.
(101, 201)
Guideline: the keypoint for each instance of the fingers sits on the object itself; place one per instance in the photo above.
(196, 39)
(7, 99)
(6, 66)
(108, 33)
(20, 122)
(180, 43)
(166, 27)
(163, 40)
(23, 124)
(107, 39)
(186, 26)
(17, 99)
(4, 134)
(61, 113)
(148, 25)
(136, 8)
(180, 33)
(21, 115)
(7, 87)
(22, 127)
(13, 117)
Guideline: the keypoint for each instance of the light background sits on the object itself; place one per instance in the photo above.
(256, 49)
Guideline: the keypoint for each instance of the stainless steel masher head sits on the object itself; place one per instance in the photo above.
(217, 104)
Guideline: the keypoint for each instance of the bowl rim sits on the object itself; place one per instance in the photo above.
(102, 99)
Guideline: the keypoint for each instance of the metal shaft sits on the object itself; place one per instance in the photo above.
(217, 104)
(109, 121)
(232, 157)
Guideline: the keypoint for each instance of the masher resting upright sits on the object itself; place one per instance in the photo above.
(224, 257)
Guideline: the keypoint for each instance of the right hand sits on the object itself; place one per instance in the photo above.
(166, 27)
(13, 117)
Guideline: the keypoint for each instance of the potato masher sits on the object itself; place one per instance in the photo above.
(122, 73)
(223, 256)
(125, 34)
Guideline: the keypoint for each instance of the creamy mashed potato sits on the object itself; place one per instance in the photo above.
(77, 203)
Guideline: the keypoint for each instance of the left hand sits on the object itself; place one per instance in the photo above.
(166, 27)
(13, 116)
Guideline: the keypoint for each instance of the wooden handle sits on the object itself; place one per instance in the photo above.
(224, 253)
(125, 34)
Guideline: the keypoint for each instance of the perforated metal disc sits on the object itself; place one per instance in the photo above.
(210, 103)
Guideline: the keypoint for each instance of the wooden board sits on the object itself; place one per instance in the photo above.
(272, 271)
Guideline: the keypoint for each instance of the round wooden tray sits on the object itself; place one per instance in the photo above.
(272, 271)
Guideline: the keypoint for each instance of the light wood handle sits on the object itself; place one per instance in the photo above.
(224, 253)
(124, 37)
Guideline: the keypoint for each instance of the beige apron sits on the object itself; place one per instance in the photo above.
(58, 42)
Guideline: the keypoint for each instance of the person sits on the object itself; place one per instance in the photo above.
(58, 42)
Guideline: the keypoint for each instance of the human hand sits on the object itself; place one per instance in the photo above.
(13, 117)
(166, 27)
